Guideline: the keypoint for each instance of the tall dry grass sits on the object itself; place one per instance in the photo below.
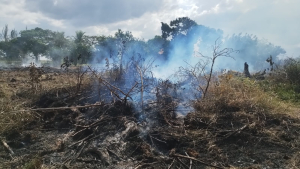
(10, 117)
(231, 94)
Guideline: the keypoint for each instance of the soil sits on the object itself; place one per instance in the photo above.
(83, 132)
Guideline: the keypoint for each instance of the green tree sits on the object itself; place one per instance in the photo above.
(36, 41)
(81, 51)
(59, 47)
(13, 34)
(178, 27)
(5, 33)
(12, 50)
(123, 39)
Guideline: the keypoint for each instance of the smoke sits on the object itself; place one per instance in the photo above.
(146, 62)
(252, 50)
(189, 50)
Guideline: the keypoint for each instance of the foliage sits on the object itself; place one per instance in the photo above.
(59, 47)
(81, 50)
(13, 49)
(292, 69)
(178, 27)
(5, 33)
(284, 81)
(36, 41)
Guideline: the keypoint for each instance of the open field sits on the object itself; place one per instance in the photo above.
(56, 124)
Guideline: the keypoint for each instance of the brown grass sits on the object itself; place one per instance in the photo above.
(232, 94)
(16, 94)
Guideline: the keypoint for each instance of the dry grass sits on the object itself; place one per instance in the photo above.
(232, 94)
(16, 94)
(9, 103)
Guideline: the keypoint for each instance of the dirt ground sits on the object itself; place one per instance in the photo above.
(69, 129)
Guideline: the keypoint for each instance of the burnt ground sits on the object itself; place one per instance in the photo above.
(78, 131)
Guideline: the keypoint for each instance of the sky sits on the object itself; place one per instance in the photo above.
(277, 21)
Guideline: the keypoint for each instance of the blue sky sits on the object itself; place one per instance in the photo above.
(276, 21)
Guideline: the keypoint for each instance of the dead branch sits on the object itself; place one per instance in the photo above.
(82, 140)
(7, 147)
(58, 108)
(152, 141)
(171, 164)
(157, 139)
(182, 163)
(113, 153)
(236, 131)
(109, 86)
(78, 132)
(191, 161)
(142, 85)
(127, 95)
(79, 152)
(79, 79)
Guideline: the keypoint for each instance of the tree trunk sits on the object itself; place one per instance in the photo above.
(246, 70)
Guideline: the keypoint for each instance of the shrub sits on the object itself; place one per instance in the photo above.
(292, 68)
(284, 81)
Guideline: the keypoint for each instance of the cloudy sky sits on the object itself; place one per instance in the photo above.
(277, 21)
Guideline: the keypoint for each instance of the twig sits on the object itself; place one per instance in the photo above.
(182, 163)
(110, 151)
(109, 86)
(79, 152)
(152, 141)
(82, 140)
(236, 131)
(192, 158)
(7, 147)
(171, 164)
(135, 149)
(158, 139)
(145, 165)
(127, 95)
(191, 161)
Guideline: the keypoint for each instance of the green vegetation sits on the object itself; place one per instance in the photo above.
(284, 82)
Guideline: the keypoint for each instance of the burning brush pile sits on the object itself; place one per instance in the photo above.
(123, 117)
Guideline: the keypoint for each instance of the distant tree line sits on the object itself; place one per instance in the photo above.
(181, 34)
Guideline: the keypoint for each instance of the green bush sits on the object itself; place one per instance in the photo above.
(292, 68)
(284, 81)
